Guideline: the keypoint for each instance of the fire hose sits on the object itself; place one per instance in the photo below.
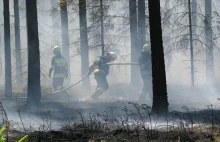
(82, 80)
(88, 75)
(85, 78)
(71, 85)
(122, 64)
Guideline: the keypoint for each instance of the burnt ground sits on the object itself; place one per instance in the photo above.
(59, 110)
(68, 105)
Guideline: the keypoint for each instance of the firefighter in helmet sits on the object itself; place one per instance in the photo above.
(146, 72)
(59, 68)
(101, 70)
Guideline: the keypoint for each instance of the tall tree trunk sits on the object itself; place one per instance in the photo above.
(141, 27)
(141, 24)
(209, 44)
(102, 29)
(160, 99)
(194, 25)
(8, 84)
(134, 42)
(97, 51)
(17, 41)
(34, 88)
(84, 42)
(65, 35)
(191, 46)
(55, 22)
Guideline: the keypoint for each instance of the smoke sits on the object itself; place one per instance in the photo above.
(117, 39)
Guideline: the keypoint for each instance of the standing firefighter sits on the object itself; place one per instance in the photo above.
(146, 72)
(101, 70)
(59, 69)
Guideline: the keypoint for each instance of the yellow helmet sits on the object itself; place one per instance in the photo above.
(113, 55)
(146, 47)
(56, 49)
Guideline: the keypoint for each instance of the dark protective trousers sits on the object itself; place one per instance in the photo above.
(58, 83)
(147, 88)
(102, 85)
(101, 81)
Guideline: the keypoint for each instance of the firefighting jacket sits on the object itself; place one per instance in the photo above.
(145, 63)
(59, 66)
(101, 65)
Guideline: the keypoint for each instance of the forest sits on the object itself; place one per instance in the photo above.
(109, 71)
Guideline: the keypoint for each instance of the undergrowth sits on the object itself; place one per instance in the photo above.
(130, 125)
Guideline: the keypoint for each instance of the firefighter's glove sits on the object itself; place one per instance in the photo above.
(96, 70)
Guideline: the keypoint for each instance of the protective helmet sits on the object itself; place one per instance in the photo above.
(56, 49)
(146, 48)
(113, 55)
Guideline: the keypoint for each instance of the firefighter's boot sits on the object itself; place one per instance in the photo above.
(97, 93)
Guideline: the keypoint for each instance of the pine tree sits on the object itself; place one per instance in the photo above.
(65, 34)
(209, 42)
(34, 88)
(134, 42)
(17, 41)
(84, 42)
(160, 100)
(8, 84)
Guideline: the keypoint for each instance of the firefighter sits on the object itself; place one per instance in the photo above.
(146, 72)
(101, 70)
(59, 68)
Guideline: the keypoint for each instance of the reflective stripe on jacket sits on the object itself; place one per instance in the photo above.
(59, 64)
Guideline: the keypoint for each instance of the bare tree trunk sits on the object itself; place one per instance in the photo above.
(8, 84)
(141, 27)
(97, 51)
(194, 25)
(134, 42)
(191, 46)
(141, 24)
(34, 88)
(102, 29)
(55, 22)
(160, 99)
(84, 42)
(17, 41)
(65, 36)
(209, 44)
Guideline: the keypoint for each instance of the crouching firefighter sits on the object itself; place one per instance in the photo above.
(101, 70)
(146, 72)
(59, 68)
